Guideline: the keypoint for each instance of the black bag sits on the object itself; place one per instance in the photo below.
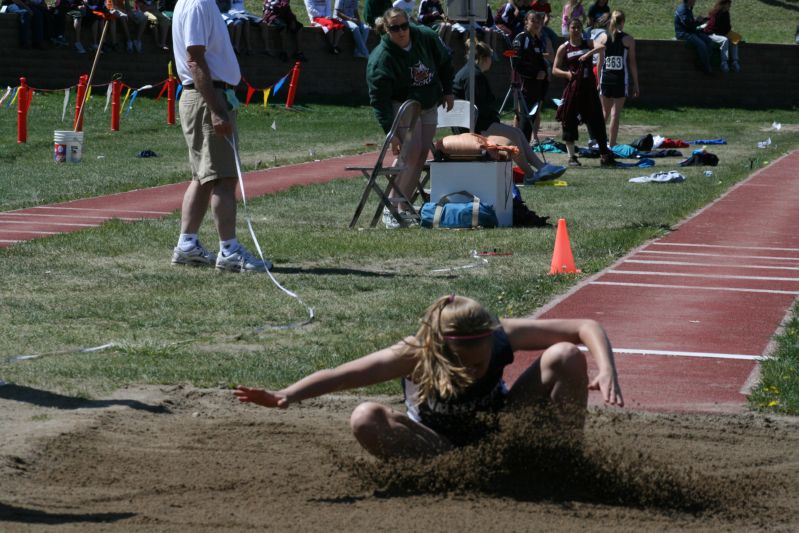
(701, 159)
(643, 144)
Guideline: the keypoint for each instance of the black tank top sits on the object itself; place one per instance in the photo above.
(614, 70)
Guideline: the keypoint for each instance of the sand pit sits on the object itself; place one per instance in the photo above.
(179, 458)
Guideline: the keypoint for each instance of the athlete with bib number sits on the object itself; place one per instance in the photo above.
(618, 72)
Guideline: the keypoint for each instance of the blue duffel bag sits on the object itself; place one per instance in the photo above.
(448, 214)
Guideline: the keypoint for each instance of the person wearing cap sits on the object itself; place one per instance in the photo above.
(208, 69)
(451, 372)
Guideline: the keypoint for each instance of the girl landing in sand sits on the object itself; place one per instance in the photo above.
(451, 371)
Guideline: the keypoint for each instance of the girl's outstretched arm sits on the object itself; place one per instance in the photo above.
(531, 334)
(383, 365)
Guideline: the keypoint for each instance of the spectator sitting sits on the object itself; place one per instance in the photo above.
(156, 20)
(572, 9)
(31, 21)
(597, 10)
(719, 28)
(488, 121)
(279, 17)
(91, 11)
(167, 7)
(408, 6)
(58, 18)
(599, 29)
(320, 15)
(431, 14)
(347, 11)
(119, 10)
(510, 19)
(686, 28)
(374, 9)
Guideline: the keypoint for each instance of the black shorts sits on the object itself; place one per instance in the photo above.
(613, 91)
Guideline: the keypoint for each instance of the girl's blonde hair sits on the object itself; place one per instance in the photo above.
(438, 370)
(481, 51)
(615, 24)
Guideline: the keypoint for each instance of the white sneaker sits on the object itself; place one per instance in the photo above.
(388, 220)
(197, 256)
(241, 261)
(79, 47)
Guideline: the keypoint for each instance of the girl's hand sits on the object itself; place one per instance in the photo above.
(608, 384)
(261, 397)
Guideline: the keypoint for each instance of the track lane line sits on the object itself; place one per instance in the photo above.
(698, 254)
(725, 246)
(717, 265)
(689, 287)
(688, 275)
(678, 353)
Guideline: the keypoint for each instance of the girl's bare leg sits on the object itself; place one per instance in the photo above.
(386, 433)
(559, 377)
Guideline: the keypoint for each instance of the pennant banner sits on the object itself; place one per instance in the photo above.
(266, 95)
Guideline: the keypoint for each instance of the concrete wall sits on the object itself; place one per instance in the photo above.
(668, 72)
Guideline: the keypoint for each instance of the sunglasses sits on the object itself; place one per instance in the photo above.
(396, 28)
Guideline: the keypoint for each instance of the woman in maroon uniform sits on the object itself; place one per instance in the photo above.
(580, 103)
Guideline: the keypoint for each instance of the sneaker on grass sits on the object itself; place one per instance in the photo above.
(241, 260)
(197, 256)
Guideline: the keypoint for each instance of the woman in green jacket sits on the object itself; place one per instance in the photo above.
(410, 62)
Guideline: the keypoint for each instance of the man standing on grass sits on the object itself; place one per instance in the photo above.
(208, 70)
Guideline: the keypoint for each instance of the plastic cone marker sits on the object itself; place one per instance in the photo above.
(562, 259)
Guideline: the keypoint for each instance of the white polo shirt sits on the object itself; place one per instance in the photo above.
(199, 22)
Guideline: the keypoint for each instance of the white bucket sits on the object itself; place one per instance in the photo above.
(67, 146)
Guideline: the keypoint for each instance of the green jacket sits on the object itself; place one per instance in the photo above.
(393, 75)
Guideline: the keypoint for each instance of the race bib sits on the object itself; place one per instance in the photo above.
(614, 63)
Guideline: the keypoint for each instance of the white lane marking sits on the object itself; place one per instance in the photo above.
(107, 217)
(9, 241)
(38, 232)
(103, 210)
(716, 265)
(686, 275)
(689, 287)
(675, 353)
(51, 223)
(721, 255)
(726, 246)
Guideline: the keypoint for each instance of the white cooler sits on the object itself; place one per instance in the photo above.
(491, 181)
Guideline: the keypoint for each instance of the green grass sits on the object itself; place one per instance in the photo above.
(758, 21)
(778, 390)
(368, 286)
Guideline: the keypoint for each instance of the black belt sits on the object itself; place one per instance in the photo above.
(216, 84)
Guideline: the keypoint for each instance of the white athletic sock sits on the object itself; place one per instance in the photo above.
(187, 241)
(228, 246)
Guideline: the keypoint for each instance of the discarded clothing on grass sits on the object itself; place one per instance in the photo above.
(641, 163)
(708, 141)
(700, 159)
(665, 142)
(625, 151)
(660, 153)
(672, 176)
(550, 145)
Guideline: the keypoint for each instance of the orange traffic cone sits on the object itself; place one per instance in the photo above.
(562, 259)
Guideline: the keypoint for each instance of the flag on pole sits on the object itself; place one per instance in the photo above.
(66, 103)
(274, 125)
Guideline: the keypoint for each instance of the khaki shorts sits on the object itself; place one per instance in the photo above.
(211, 157)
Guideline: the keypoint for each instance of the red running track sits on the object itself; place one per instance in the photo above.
(42, 221)
(690, 314)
